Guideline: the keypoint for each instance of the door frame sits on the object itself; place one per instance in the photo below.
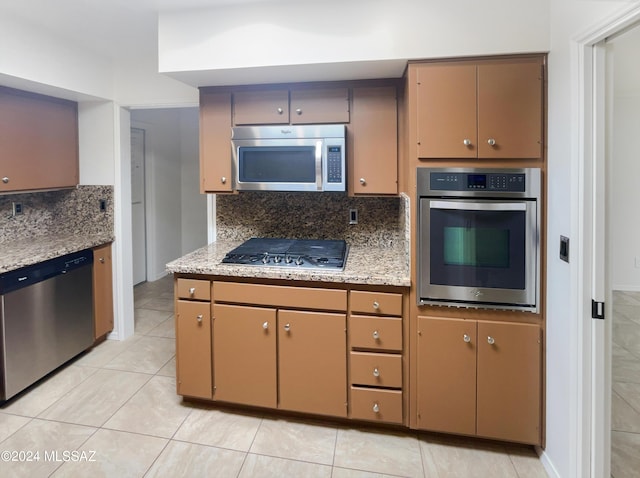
(592, 277)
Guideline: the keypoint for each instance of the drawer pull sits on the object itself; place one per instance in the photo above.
(192, 291)
(199, 319)
(376, 335)
(491, 142)
(376, 372)
(376, 408)
(491, 340)
(376, 305)
(466, 338)
(265, 326)
(287, 327)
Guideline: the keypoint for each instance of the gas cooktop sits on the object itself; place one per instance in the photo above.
(293, 253)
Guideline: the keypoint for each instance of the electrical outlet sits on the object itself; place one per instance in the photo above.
(353, 216)
(17, 208)
(103, 205)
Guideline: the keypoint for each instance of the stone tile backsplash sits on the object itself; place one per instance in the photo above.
(62, 212)
(382, 221)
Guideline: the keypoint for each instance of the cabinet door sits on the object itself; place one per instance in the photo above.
(244, 355)
(215, 142)
(261, 107)
(312, 362)
(193, 348)
(102, 290)
(374, 139)
(510, 106)
(446, 111)
(38, 141)
(509, 389)
(447, 375)
(319, 105)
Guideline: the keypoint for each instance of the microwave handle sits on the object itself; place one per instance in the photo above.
(319, 175)
(475, 206)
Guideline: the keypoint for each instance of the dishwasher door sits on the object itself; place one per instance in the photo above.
(46, 318)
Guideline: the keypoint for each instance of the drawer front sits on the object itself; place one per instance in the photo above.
(194, 289)
(379, 303)
(381, 333)
(378, 370)
(280, 296)
(376, 405)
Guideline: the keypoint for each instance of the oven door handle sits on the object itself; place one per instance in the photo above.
(476, 206)
(319, 165)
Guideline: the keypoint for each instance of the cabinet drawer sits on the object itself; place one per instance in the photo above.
(383, 333)
(379, 303)
(280, 296)
(194, 289)
(378, 370)
(376, 405)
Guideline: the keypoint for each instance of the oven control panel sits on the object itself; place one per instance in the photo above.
(472, 181)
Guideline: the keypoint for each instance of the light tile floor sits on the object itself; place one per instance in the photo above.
(113, 412)
(625, 396)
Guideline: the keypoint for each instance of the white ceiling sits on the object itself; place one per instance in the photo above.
(112, 28)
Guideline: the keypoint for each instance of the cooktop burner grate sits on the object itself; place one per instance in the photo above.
(296, 253)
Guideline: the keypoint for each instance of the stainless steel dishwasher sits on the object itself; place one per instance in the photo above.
(46, 318)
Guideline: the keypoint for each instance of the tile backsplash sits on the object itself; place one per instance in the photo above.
(66, 211)
(381, 220)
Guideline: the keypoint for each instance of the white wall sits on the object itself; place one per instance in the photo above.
(176, 211)
(625, 196)
(194, 204)
(569, 18)
(229, 43)
(96, 142)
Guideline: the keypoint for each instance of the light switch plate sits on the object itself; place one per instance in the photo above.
(564, 248)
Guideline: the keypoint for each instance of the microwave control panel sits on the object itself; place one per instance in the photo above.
(334, 164)
(456, 181)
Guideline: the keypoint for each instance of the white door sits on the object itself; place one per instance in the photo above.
(139, 249)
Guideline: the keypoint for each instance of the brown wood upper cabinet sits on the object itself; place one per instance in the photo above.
(215, 142)
(291, 106)
(38, 141)
(373, 141)
(489, 109)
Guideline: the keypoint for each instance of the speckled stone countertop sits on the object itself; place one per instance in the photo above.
(365, 265)
(29, 251)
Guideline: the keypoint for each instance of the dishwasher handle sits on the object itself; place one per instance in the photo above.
(26, 276)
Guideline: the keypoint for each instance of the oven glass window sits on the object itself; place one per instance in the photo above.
(294, 164)
(472, 248)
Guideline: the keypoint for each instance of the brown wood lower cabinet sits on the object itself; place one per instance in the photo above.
(102, 291)
(479, 378)
(193, 348)
(244, 355)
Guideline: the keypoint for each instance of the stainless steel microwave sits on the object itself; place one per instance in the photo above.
(289, 158)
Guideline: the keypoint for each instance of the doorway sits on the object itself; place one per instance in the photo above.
(138, 209)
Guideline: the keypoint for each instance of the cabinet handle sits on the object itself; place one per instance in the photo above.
(199, 319)
(363, 181)
(265, 326)
(101, 260)
(287, 327)
(491, 340)
(376, 372)
(376, 305)
(5, 180)
(280, 111)
(466, 142)
(298, 111)
(491, 142)
(376, 408)
(223, 180)
(466, 338)
(192, 291)
(376, 335)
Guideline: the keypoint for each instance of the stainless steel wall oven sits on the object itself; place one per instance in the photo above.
(479, 237)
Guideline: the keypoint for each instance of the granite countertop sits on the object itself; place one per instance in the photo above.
(29, 251)
(365, 265)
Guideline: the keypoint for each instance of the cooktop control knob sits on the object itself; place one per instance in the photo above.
(299, 261)
(277, 259)
(265, 258)
(288, 259)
